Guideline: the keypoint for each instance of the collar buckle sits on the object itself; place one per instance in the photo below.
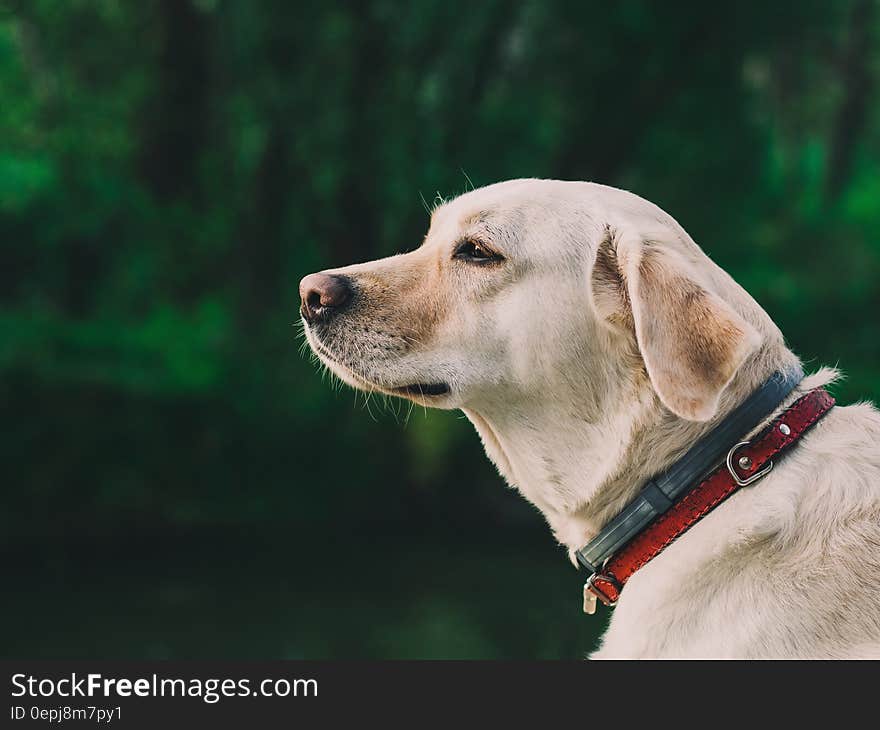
(736, 477)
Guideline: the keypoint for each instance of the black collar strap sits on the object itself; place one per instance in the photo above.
(661, 492)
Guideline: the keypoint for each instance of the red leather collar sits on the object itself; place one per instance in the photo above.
(746, 462)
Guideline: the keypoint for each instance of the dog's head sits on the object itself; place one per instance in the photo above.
(537, 287)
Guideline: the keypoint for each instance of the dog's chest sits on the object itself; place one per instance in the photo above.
(694, 599)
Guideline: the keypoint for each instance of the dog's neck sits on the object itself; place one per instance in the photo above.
(579, 462)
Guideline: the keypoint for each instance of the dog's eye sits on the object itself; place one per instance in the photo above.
(475, 252)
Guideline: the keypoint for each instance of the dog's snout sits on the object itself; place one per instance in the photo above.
(323, 295)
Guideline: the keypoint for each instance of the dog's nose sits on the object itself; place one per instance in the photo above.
(323, 295)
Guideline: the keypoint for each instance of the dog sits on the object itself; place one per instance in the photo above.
(590, 342)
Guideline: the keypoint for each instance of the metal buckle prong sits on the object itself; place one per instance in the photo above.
(736, 477)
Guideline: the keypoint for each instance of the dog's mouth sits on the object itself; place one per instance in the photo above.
(423, 389)
(415, 390)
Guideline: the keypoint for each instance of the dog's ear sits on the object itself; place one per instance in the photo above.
(691, 341)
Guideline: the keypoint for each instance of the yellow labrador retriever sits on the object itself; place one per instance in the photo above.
(591, 342)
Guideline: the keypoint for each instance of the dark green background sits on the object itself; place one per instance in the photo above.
(178, 481)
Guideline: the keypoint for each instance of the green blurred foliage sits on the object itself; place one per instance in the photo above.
(169, 170)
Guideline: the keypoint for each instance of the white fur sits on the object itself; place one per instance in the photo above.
(581, 389)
